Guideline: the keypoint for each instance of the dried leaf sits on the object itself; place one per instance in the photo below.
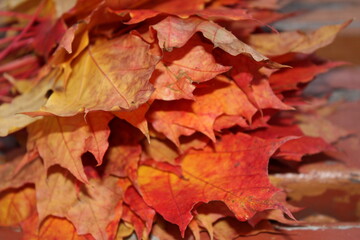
(123, 161)
(179, 69)
(229, 229)
(124, 231)
(175, 32)
(274, 44)
(139, 207)
(317, 126)
(294, 149)
(51, 229)
(183, 117)
(12, 178)
(139, 226)
(208, 214)
(11, 119)
(137, 117)
(57, 140)
(301, 72)
(16, 205)
(246, 191)
(91, 209)
(106, 80)
(95, 209)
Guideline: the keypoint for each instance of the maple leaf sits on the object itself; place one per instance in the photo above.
(294, 149)
(208, 214)
(275, 214)
(10, 118)
(57, 140)
(137, 204)
(173, 6)
(51, 228)
(55, 193)
(245, 191)
(301, 72)
(281, 43)
(181, 68)
(139, 15)
(131, 217)
(228, 121)
(125, 230)
(318, 126)
(96, 208)
(16, 205)
(13, 177)
(185, 117)
(137, 213)
(137, 117)
(161, 151)
(230, 228)
(73, 42)
(104, 80)
(163, 155)
(123, 161)
(175, 32)
(45, 42)
(91, 209)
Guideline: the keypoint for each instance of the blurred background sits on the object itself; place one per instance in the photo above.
(317, 13)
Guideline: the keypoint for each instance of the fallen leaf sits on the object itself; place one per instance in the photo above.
(165, 230)
(55, 193)
(274, 44)
(91, 208)
(174, 6)
(161, 151)
(183, 117)
(96, 208)
(73, 42)
(137, 117)
(202, 183)
(11, 119)
(275, 214)
(300, 73)
(175, 32)
(207, 214)
(50, 229)
(229, 229)
(123, 161)
(156, 116)
(11, 178)
(294, 149)
(57, 140)
(195, 229)
(139, 226)
(16, 205)
(163, 166)
(139, 207)
(228, 121)
(98, 83)
(317, 126)
(180, 69)
(124, 231)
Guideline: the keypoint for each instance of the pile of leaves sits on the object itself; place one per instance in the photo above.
(154, 118)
